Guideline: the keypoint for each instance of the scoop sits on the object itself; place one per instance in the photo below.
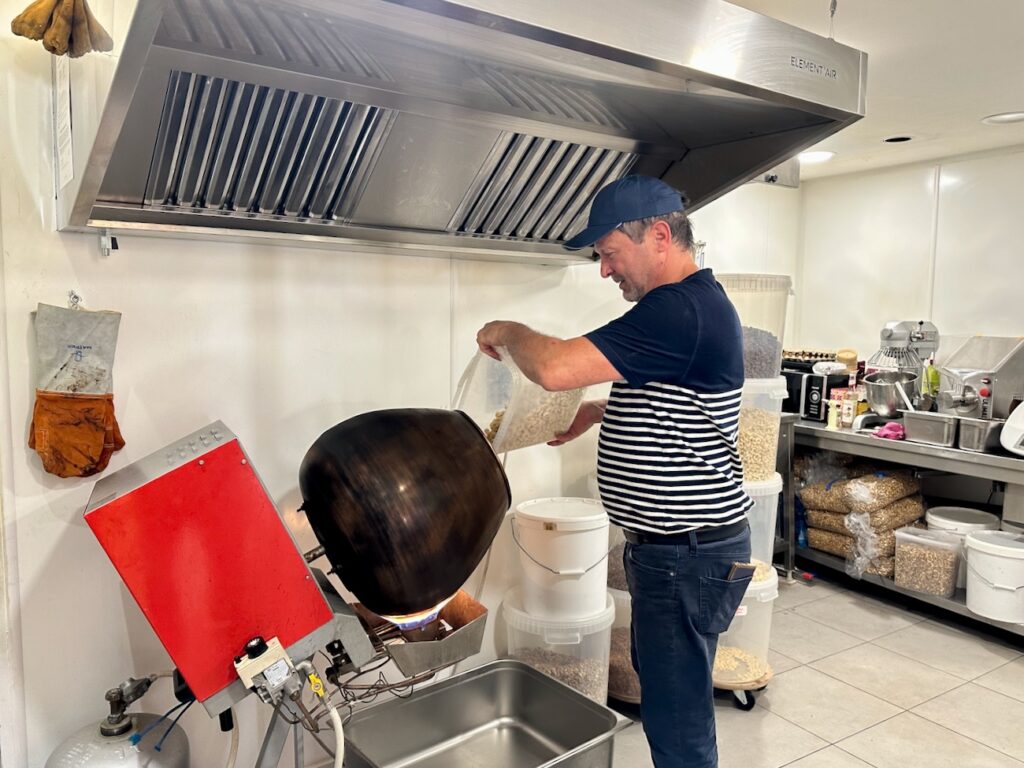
(903, 394)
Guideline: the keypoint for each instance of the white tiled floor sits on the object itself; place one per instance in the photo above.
(861, 683)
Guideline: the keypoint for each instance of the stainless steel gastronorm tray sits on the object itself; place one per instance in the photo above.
(501, 715)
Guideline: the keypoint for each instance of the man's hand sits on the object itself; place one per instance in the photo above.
(495, 334)
(590, 413)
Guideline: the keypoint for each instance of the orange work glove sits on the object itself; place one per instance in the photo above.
(74, 435)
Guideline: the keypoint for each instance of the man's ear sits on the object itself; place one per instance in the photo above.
(661, 233)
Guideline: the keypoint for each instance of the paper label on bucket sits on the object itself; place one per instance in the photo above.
(741, 611)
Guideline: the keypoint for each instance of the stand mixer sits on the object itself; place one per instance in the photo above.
(904, 346)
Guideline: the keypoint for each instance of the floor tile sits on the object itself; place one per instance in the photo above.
(857, 615)
(887, 675)
(631, 750)
(909, 741)
(804, 640)
(1007, 679)
(830, 757)
(801, 592)
(760, 739)
(823, 705)
(980, 714)
(964, 654)
(781, 663)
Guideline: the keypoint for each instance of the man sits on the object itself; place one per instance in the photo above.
(668, 466)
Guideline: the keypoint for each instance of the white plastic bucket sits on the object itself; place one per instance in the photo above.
(763, 516)
(563, 549)
(995, 575)
(961, 520)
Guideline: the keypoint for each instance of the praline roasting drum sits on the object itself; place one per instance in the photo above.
(405, 502)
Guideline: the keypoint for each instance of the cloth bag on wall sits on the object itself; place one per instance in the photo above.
(74, 430)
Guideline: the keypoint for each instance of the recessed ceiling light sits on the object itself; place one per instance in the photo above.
(898, 139)
(1003, 118)
(817, 156)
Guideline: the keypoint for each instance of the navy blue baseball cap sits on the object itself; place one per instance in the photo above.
(628, 199)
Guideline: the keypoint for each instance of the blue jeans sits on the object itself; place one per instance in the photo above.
(681, 602)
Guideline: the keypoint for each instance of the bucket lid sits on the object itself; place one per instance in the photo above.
(565, 514)
(774, 387)
(1002, 543)
(1012, 525)
(770, 487)
(961, 519)
(517, 618)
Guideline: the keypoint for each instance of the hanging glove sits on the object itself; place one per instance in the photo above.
(74, 429)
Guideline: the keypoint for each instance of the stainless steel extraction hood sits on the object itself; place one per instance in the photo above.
(479, 128)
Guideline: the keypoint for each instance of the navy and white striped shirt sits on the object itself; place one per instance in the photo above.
(667, 460)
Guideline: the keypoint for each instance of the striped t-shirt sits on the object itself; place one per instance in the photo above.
(667, 459)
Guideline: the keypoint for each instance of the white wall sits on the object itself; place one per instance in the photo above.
(937, 241)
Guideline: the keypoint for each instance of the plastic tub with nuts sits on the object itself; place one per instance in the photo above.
(927, 561)
(512, 411)
(761, 302)
(623, 682)
(741, 661)
(760, 417)
(573, 652)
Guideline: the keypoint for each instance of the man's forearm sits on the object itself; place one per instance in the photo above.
(531, 351)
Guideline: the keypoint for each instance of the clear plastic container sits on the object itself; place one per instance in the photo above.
(763, 516)
(927, 561)
(761, 302)
(742, 656)
(511, 410)
(573, 652)
(961, 521)
(760, 417)
(623, 682)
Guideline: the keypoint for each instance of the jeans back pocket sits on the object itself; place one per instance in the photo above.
(719, 600)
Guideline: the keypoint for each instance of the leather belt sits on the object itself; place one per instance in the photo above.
(704, 535)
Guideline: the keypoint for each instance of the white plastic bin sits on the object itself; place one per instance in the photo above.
(761, 302)
(574, 652)
(742, 655)
(563, 550)
(927, 561)
(763, 516)
(995, 575)
(512, 411)
(1012, 526)
(623, 682)
(961, 521)
(760, 417)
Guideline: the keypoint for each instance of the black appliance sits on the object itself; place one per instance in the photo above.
(808, 393)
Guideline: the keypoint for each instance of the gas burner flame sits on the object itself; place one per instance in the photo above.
(416, 620)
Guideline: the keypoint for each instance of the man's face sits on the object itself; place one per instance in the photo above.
(625, 262)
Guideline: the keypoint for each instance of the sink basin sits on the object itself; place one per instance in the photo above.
(501, 715)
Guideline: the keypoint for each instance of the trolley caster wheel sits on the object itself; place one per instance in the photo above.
(744, 700)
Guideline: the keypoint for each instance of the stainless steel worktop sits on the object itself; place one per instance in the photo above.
(988, 466)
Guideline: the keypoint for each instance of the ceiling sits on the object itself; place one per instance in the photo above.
(935, 68)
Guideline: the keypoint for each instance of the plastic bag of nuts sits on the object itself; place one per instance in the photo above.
(927, 561)
(825, 497)
(512, 411)
(874, 492)
(874, 545)
(897, 515)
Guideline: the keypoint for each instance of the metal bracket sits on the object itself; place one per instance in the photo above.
(108, 243)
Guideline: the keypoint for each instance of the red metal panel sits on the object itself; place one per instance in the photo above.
(208, 559)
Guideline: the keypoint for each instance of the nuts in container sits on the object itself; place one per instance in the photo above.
(760, 415)
(511, 410)
(927, 561)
